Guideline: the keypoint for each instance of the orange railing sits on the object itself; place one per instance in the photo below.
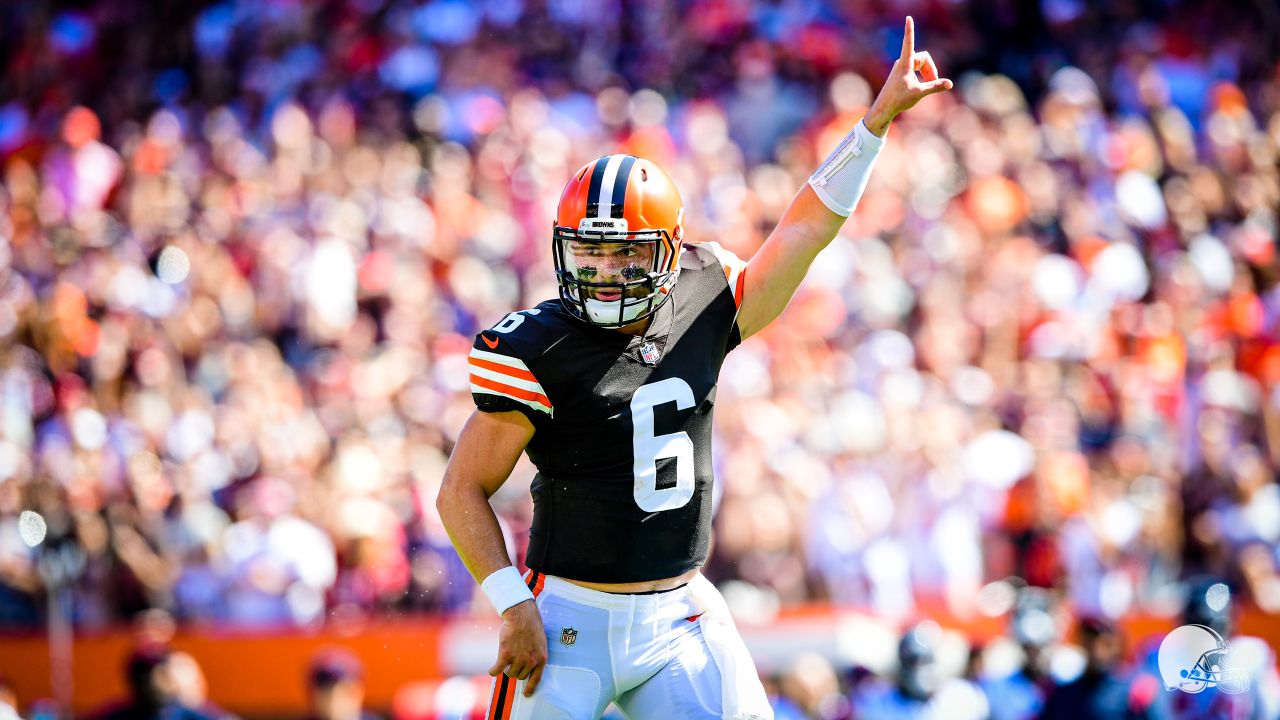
(262, 673)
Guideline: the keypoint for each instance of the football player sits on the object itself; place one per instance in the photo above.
(609, 390)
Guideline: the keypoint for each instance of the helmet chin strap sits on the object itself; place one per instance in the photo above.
(606, 311)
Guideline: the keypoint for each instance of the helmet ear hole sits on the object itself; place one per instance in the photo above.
(644, 175)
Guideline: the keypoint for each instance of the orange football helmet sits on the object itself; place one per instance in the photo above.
(616, 240)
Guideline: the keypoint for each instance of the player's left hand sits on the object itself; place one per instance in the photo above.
(904, 88)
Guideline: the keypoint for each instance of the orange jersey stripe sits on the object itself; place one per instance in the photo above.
(512, 391)
(504, 369)
(536, 583)
(737, 291)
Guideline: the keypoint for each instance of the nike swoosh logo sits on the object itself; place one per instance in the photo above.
(493, 344)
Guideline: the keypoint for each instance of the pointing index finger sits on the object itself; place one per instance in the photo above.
(908, 41)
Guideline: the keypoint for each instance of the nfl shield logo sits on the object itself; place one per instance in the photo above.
(649, 353)
(568, 636)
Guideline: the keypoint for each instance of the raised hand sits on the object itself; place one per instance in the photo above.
(904, 87)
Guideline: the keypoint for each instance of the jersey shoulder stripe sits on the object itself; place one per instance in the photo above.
(513, 366)
(484, 386)
(495, 375)
(498, 373)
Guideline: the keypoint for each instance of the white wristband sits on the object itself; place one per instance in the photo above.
(840, 180)
(505, 588)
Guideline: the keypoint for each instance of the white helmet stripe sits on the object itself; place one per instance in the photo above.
(605, 207)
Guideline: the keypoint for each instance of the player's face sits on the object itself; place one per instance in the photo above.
(611, 263)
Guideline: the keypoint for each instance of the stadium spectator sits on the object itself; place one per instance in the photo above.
(335, 686)
(1105, 689)
(918, 688)
(1020, 694)
(191, 688)
(809, 688)
(153, 692)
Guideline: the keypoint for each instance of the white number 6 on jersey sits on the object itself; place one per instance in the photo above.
(513, 320)
(648, 449)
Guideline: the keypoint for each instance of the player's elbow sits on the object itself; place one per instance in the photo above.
(456, 495)
(442, 501)
(448, 499)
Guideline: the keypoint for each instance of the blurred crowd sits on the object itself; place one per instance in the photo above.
(244, 247)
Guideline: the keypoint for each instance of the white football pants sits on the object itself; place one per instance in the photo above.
(674, 655)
